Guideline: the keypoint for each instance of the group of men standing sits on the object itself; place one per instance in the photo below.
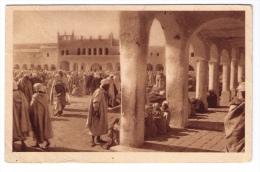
(35, 92)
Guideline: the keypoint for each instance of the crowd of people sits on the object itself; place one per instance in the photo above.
(38, 94)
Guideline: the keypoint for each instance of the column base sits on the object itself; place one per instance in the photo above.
(225, 98)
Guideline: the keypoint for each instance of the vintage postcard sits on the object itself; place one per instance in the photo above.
(128, 83)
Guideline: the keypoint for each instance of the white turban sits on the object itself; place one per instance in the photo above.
(39, 87)
(104, 82)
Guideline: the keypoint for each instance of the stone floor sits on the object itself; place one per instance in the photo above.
(204, 134)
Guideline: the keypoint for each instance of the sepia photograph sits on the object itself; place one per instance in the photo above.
(128, 83)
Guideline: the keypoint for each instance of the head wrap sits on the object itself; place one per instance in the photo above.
(241, 87)
(104, 82)
(57, 77)
(15, 87)
(39, 87)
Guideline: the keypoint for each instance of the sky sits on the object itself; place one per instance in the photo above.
(43, 26)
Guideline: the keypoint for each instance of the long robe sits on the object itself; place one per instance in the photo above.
(40, 117)
(26, 87)
(58, 96)
(21, 120)
(98, 125)
(234, 123)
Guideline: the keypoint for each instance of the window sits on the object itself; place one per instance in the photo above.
(157, 54)
(89, 51)
(192, 54)
(78, 51)
(62, 52)
(151, 54)
(48, 54)
(100, 51)
(106, 51)
(94, 51)
(67, 52)
(84, 51)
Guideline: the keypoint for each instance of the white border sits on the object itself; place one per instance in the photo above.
(251, 166)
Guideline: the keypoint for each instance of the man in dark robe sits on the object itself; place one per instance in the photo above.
(25, 85)
(95, 82)
(21, 120)
(58, 95)
(40, 117)
(35, 79)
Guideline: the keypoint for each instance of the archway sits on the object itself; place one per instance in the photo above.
(53, 67)
(46, 67)
(109, 67)
(75, 67)
(64, 65)
(159, 67)
(24, 67)
(38, 67)
(117, 67)
(83, 66)
(96, 67)
(32, 66)
(149, 67)
(17, 67)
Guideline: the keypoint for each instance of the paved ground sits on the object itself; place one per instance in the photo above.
(204, 134)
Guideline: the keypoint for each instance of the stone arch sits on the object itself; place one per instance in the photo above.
(24, 66)
(38, 67)
(31, 66)
(83, 67)
(16, 66)
(46, 67)
(149, 67)
(53, 67)
(198, 49)
(96, 67)
(64, 65)
(75, 67)
(109, 66)
(214, 57)
(159, 67)
(224, 57)
(117, 68)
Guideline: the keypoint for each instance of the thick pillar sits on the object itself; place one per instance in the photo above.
(233, 77)
(214, 78)
(134, 41)
(177, 85)
(202, 81)
(225, 94)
